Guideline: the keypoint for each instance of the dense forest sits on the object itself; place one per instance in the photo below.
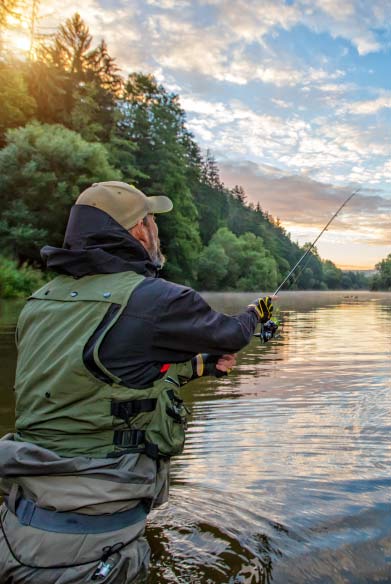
(68, 118)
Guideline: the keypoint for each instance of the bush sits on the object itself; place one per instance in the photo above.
(18, 282)
(43, 168)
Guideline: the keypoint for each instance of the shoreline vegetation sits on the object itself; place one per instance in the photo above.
(68, 118)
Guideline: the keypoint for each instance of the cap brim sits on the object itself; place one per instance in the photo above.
(159, 204)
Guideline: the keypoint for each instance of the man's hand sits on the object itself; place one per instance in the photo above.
(263, 308)
(217, 366)
(226, 363)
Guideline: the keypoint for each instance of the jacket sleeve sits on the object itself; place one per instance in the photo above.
(186, 321)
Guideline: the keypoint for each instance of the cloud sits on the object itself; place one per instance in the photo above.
(357, 21)
(354, 20)
(251, 20)
(229, 41)
(305, 205)
(330, 149)
(212, 51)
(281, 103)
(168, 4)
(220, 52)
(371, 106)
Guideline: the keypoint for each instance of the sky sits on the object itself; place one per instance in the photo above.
(293, 99)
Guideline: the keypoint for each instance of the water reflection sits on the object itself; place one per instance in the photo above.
(285, 476)
(297, 438)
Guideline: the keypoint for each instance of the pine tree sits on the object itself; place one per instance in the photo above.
(88, 81)
(239, 194)
(210, 173)
(153, 119)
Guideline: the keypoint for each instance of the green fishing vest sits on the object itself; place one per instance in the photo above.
(61, 405)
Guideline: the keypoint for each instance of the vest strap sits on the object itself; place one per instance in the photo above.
(133, 439)
(129, 438)
(129, 408)
(29, 513)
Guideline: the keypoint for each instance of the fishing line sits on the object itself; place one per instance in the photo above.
(269, 329)
(315, 240)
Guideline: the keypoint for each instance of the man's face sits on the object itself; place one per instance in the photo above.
(152, 241)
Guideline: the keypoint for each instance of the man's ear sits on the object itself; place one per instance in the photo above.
(140, 232)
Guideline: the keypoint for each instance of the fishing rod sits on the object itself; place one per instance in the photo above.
(269, 329)
(315, 240)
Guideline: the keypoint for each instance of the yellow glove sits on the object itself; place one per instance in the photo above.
(263, 307)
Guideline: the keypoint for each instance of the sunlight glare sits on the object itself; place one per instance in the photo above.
(18, 42)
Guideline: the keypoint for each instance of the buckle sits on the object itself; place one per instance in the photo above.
(129, 438)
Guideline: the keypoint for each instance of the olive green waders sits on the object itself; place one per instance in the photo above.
(90, 457)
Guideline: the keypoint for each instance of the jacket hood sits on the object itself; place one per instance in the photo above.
(95, 243)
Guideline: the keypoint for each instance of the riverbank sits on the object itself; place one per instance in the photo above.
(19, 281)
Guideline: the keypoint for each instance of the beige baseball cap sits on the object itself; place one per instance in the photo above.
(123, 202)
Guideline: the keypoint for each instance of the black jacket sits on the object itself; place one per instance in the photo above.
(162, 323)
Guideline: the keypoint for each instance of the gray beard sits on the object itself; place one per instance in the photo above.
(156, 254)
(158, 258)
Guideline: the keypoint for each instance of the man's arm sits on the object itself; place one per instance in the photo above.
(187, 322)
(164, 323)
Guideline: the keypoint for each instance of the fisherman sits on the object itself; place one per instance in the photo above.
(103, 350)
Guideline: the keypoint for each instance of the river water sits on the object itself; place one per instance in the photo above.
(286, 473)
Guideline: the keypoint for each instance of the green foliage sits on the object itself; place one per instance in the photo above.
(46, 84)
(236, 263)
(122, 156)
(153, 120)
(16, 105)
(74, 84)
(331, 275)
(382, 280)
(212, 267)
(18, 281)
(213, 238)
(43, 168)
(353, 281)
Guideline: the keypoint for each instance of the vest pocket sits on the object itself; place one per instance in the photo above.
(168, 424)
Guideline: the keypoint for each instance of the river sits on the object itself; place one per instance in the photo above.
(285, 477)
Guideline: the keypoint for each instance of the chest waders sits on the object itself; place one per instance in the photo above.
(89, 455)
(61, 405)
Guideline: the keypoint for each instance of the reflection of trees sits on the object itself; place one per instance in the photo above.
(301, 418)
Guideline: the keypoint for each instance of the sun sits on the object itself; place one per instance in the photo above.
(17, 42)
(17, 38)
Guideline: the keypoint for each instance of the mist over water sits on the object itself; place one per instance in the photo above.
(285, 476)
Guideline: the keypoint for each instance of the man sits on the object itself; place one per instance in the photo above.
(103, 350)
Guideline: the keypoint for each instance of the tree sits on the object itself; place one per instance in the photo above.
(70, 47)
(210, 174)
(258, 269)
(332, 275)
(382, 280)
(42, 170)
(212, 206)
(9, 8)
(16, 105)
(311, 274)
(88, 82)
(238, 193)
(212, 267)
(239, 263)
(153, 120)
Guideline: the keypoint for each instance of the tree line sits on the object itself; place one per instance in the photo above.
(68, 118)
